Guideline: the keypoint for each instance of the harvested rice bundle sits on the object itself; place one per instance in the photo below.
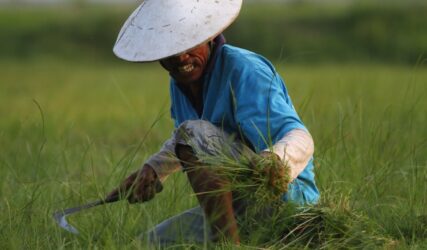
(262, 177)
(269, 222)
(271, 175)
(285, 225)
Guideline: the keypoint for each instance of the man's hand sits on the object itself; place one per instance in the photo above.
(271, 172)
(140, 186)
(276, 170)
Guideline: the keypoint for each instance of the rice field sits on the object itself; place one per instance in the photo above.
(69, 132)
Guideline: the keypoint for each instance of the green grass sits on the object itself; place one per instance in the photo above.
(70, 132)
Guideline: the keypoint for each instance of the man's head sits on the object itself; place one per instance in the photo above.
(188, 67)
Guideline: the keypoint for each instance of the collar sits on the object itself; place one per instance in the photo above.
(218, 42)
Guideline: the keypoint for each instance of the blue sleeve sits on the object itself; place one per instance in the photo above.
(263, 109)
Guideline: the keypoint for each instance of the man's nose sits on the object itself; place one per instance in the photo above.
(181, 57)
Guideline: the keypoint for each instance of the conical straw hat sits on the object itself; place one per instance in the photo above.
(161, 28)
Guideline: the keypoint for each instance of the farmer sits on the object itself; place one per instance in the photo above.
(221, 97)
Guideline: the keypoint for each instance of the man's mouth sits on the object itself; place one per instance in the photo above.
(186, 68)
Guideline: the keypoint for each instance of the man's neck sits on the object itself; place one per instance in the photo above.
(194, 92)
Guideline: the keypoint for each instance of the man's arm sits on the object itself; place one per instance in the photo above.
(165, 162)
(265, 114)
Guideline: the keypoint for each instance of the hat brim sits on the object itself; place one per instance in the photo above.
(159, 29)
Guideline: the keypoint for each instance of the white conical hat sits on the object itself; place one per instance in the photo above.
(161, 28)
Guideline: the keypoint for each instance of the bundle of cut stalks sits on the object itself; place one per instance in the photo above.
(264, 178)
(270, 222)
(322, 226)
(271, 176)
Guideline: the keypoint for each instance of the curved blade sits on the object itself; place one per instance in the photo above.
(62, 222)
(60, 216)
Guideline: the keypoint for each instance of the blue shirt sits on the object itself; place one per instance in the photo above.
(244, 94)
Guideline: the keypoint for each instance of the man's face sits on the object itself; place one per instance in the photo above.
(188, 67)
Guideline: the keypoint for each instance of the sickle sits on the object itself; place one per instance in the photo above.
(60, 216)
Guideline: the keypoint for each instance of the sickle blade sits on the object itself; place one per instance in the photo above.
(61, 220)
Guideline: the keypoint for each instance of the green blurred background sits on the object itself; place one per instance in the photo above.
(289, 31)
